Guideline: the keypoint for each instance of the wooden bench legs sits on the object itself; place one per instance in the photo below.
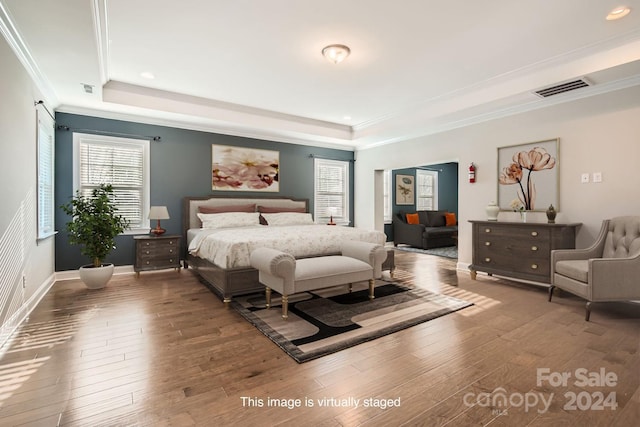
(285, 298)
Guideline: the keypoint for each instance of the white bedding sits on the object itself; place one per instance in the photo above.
(230, 247)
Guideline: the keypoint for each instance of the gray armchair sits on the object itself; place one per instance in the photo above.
(606, 271)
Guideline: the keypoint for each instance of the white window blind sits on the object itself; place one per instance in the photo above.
(426, 190)
(121, 162)
(46, 147)
(331, 191)
(387, 195)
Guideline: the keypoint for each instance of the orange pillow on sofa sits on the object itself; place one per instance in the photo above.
(450, 219)
(413, 218)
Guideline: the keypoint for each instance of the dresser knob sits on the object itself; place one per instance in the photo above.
(487, 243)
(487, 230)
(534, 233)
(147, 252)
(487, 260)
(534, 266)
(170, 260)
(147, 243)
(171, 242)
(534, 248)
(170, 251)
(147, 262)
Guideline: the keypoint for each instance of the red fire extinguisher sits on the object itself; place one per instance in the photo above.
(472, 173)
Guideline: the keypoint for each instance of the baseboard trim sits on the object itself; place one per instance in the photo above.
(9, 327)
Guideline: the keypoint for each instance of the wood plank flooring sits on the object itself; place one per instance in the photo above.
(161, 350)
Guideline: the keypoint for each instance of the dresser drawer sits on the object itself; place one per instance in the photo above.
(513, 247)
(528, 233)
(509, 263)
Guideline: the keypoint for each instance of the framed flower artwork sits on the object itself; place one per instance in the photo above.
(405, 193)
(244, 169)
(528, 176)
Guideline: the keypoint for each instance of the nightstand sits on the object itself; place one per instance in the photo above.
(157, 252)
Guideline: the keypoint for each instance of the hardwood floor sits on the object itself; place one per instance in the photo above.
(162, 350)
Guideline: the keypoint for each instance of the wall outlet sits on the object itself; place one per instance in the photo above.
(597, 177)
(584, 178)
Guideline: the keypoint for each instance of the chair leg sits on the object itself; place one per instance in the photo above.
(285, 307)
(551, 288)
(588, 313)
(268, 297)
(371, 286)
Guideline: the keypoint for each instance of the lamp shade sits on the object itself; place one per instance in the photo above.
(158, 212)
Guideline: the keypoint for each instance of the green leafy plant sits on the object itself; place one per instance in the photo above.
(94, 223)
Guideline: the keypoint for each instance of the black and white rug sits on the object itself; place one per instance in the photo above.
(333, 319)
(447, 252)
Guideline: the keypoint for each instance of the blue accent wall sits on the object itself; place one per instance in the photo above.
(447, 191)
(180, 165)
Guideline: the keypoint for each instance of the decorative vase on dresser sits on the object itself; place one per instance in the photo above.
(521, 250)
(492, 211)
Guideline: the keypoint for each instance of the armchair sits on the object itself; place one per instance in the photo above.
(606, 271)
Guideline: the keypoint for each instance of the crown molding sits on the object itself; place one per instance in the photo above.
(19, 47)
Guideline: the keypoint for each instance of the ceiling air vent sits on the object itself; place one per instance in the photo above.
(562, 88)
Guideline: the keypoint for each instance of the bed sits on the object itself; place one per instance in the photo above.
(220, 255)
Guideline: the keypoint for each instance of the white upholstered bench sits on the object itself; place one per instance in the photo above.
(281, 272)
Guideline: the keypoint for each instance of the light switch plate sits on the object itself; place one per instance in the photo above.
(597, 177)
(585, 178)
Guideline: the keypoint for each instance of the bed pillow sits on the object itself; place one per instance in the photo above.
(288, 218)
(251, 207)
(270, 209)
(229, 219)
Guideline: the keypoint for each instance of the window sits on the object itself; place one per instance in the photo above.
(387, 195)
(426, 190)
(331, 191)
(121, 162)
(46, 146)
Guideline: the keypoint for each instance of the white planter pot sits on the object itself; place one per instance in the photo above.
(96, 277)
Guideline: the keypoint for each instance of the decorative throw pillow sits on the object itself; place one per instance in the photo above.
(450, 219)
(250, 207)
(269, 209)
(229, 219)
(288, 218)
(413, 218)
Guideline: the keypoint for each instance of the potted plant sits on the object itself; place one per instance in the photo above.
(94, 225)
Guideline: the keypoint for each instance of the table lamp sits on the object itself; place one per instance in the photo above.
(158, 213)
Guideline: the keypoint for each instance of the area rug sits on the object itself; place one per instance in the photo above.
(330, 320)
(447, 252)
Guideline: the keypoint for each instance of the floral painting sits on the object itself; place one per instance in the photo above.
(244, 169)
(404, 190)
(528, 176)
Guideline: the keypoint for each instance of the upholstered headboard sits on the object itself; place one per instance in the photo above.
(190, 205)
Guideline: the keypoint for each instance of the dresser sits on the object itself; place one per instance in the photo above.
(518, 249)
(157, 252)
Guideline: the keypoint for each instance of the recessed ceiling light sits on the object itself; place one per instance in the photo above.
(618, 12)
(147, 75)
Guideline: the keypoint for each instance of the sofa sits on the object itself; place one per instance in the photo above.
(430, 232)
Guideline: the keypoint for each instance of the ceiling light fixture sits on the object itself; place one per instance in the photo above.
(336, 53)
(618, 12)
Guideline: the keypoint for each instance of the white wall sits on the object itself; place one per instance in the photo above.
(597, 134)
(20, 254)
